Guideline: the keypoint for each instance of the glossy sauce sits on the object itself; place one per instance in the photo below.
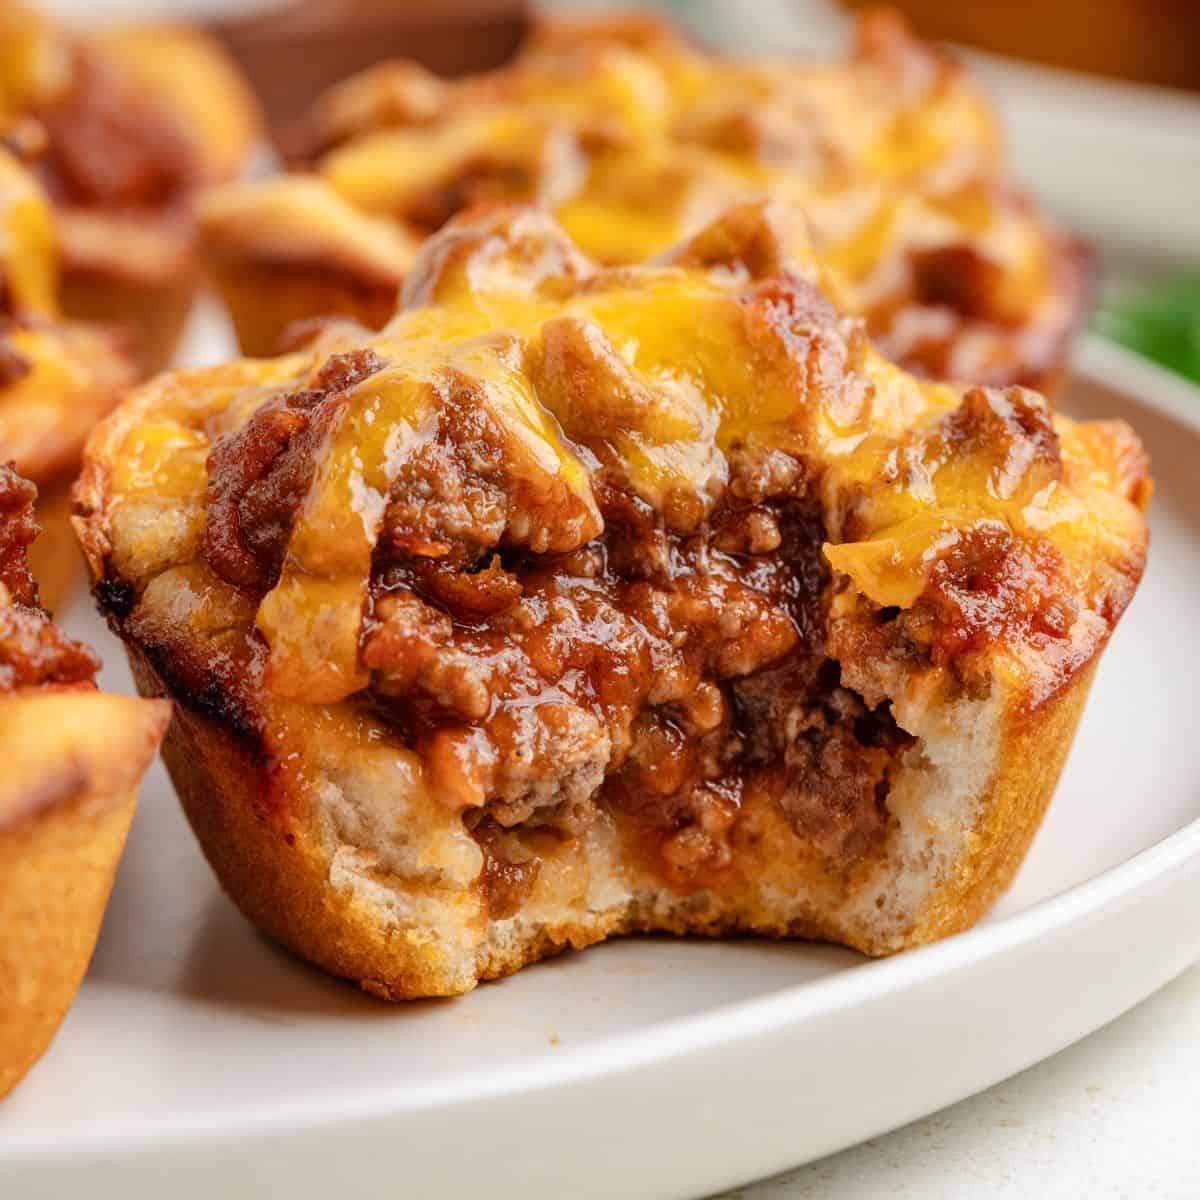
(584, 538)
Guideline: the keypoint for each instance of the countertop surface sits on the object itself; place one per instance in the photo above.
(1116, 1115)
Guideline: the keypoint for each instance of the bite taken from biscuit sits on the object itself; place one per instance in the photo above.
(583, 600)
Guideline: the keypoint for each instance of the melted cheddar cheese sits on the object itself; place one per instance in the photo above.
(555, 383)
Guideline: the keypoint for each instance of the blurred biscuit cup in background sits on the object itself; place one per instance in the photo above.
(127, 125)
(634, 139)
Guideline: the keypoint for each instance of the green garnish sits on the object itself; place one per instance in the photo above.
(1160, 321)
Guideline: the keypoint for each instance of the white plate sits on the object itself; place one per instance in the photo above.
(202, 1060)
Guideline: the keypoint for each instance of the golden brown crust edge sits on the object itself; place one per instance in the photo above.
(268, 857)
(155, 310)
(62, 830)
(267, 299)
(1032, 752)
(54, 556)
(268, 861)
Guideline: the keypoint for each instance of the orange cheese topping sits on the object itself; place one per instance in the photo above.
(546, 384)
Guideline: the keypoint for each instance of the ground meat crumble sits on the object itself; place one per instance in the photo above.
(32, 650)
(555, 652)
(658, 674)
(110, 145)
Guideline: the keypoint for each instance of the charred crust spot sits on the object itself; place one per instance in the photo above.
(212, 696)
(114, 597)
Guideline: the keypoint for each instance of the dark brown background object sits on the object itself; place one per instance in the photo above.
(1152, 41)
(296, 50)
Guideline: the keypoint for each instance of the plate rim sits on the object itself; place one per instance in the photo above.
(663, 1040)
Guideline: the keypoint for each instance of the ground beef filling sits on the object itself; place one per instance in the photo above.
(660, 676)
(258, 475)
(108, 145)
(32, 650)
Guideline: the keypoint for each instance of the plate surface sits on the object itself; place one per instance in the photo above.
(201, 1058)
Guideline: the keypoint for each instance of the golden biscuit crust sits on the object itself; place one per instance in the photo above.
(73, 758)
(272, 859)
